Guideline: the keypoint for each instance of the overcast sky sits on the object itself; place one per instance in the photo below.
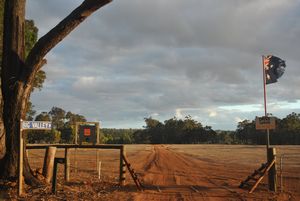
(163, 58)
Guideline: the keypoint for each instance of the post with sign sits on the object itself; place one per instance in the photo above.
(268, 123)
(20, 165)
(86, 133)
(28, 125)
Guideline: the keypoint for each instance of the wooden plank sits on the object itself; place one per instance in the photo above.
(133, 175)
(259, 172)
(259, 180)
(194, 189)
(83, 146)
(98, 132)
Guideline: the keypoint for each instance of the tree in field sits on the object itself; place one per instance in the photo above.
(176, 131)
(58, 117)
(43, 116)
(68, 130)
(73, 118)
(153, 129)
(18, 73)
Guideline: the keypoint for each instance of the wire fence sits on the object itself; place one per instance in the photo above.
(289, 173)
(85, 164)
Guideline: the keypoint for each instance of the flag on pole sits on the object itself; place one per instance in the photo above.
(274, 68)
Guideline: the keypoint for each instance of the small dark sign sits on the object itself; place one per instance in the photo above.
(87, 134)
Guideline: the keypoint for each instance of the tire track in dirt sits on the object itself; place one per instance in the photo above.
(175, 173)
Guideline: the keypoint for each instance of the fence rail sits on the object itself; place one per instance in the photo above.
(75, 146)
(83, 159)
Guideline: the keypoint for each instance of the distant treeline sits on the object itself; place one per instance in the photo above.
(189, 131)
(171, 131)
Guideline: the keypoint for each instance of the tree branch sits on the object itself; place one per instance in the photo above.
(58, 33)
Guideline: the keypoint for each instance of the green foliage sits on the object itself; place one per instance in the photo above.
(67, 135)
(30, 111)
(189, 131)
(57, 116)
(226, 137)
(118, 136)
(31, 34)
(43, 136)
(52, 136)
(172, 131)
(44, 116)
(175, 131)
(73, 118)
(39, 80)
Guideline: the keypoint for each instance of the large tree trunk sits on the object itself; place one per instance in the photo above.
(15, 92)
(13, 60)
(17, 74)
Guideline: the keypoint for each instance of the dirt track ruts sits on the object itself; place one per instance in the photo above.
(182, 177)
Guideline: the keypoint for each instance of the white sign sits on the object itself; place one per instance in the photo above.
(263, 123)
(38, 125)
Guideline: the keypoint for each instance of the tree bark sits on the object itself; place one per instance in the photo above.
(12, 62)
(17, 75)
(2, 131)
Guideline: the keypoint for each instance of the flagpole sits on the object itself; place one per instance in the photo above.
(265, 100)
(271, 152)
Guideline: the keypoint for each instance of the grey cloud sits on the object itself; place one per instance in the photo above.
(146, 57)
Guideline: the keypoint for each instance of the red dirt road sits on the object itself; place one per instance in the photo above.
(170, 175)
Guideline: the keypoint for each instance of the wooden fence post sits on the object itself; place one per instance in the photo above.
(75, 162)
(272, 174)
(97, 159)
(67, 165)
(122, 166)
(20, 164)
(48, 163)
